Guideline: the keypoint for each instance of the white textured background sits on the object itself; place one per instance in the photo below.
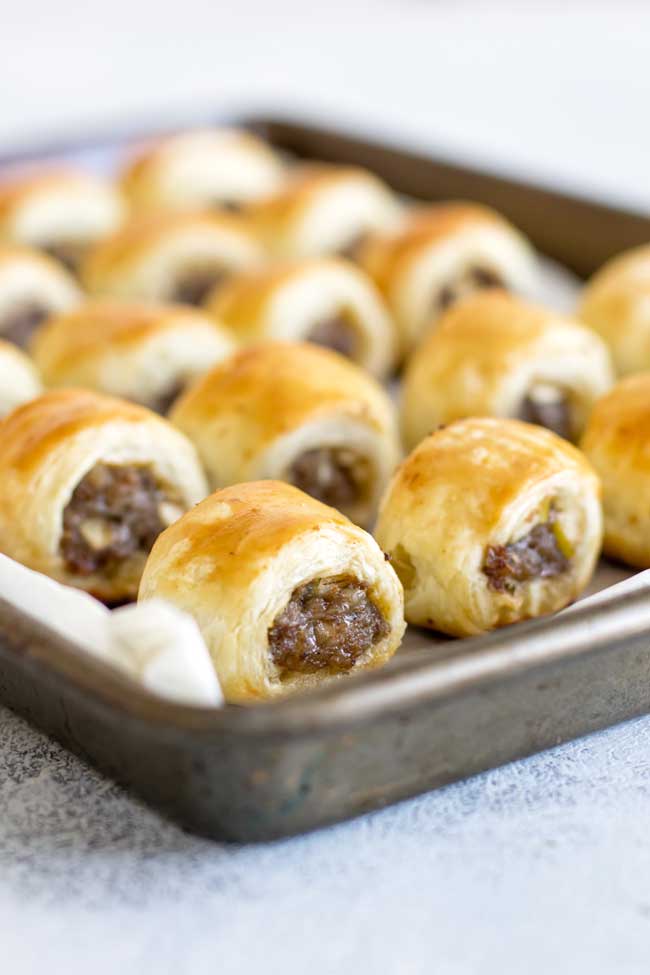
(540, 867)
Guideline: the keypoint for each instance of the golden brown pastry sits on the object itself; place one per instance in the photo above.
(32, 287)
(297, 413)
(616, 303)
(202, 168)
(440, 254)
(143, 352)
(617, 442)
(286, 591)
(59, 211)
(19, 380)
(489, 522)
(324, 300)
(324, 210)
(170, 257)
(87, 482)
(495, 355)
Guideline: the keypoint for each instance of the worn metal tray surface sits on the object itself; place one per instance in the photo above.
(442, 709)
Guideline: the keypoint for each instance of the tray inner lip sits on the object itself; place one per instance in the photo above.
(494, 656)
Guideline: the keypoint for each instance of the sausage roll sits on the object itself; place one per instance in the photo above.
(324, 210)
(211, 167)
(616, 303)
(617, 442)
(440, 254)
(143, 352)
(296, 413)
(323, 300)
(61, 212)
(170, 257)
(489, 522)
(495, 355)
(19, 380)
(286, 591)
(32, 287)
(87, 482)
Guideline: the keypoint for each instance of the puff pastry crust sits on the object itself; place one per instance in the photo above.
(202, 168)
(170, 257)
(440, 254)
(19, 380)
(298, 413)
(489, 522)
(60, 211)
(324, 300)
(616, 303)
(495, 355)
(617, 442)
(147, 353)
(32, 287)
(268, 573)
(324, 210)
(78, 471)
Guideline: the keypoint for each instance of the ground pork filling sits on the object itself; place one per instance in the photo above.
(115, 513)
(19, 325)
(192, 287)
(471, 280)
(70, 253)
(328, 624)
(549, 407)
(335, 333)
(165, 400)
(537, 555)
(354, 245)
(336, 476)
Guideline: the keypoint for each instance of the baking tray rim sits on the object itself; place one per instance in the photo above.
(469, 664)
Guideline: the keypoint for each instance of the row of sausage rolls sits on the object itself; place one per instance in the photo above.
(287, 590)
(161, 233)
(488, 521)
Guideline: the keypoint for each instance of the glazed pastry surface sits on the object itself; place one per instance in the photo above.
(295, 412)
(493, 354)
(616, 303)
(86, 482)
(617, 442)
(144, 352)
(324, 300)
(286, 591)
(488, 522)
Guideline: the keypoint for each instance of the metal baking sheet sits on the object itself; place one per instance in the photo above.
(442, 709)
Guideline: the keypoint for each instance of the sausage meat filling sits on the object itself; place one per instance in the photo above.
(537, 555)
(336, 476)
(549, 407)
(19, 325)
(475, 278)
(192, 287)
(165, 400)
(115, 512)
(335, 333)
(328, 624)
(70, 253)
(351, 250)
